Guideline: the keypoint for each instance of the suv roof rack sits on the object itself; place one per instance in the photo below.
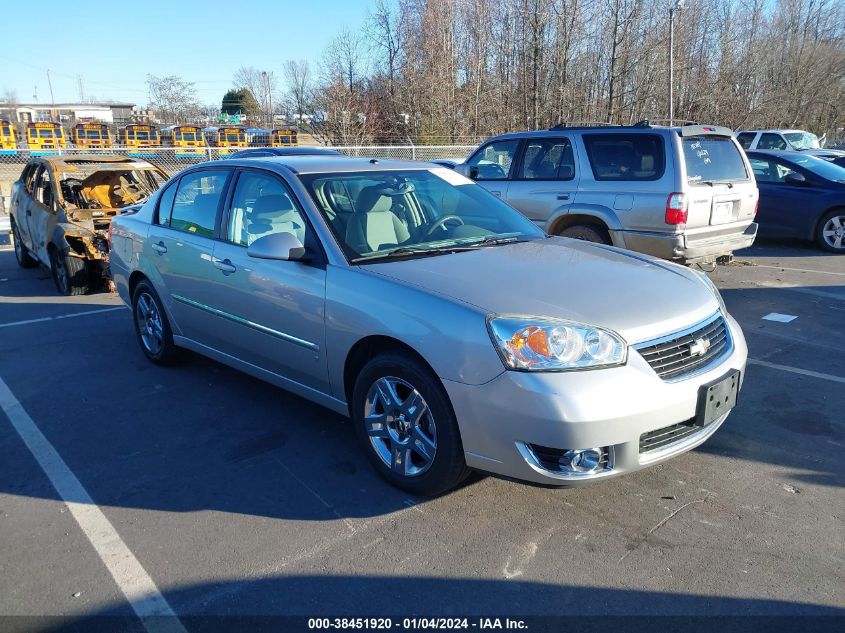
(579, 124)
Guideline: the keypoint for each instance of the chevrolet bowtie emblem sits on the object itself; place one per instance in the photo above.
(699, 347)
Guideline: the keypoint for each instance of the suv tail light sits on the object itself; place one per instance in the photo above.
(756, 207)
(677, 208)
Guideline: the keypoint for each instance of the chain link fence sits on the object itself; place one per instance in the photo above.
(175, 159)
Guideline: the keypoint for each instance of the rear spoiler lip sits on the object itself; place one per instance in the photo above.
(705, 130)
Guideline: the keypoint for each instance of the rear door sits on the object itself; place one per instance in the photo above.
(40, 213)
(545, 179)
(492, 165)
(180, 245)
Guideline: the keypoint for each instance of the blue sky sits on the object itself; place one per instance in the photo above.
(114, 59)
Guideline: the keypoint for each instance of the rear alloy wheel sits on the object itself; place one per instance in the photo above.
(405, 423)
(151, 326)
(25, 260)
(831, 236)
(70, 274)
(588, 233)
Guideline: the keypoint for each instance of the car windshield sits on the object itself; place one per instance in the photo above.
(820, 167)
(802, 140)
(413, 213)
(712, 159)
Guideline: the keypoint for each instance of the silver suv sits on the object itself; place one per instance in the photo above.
(684, 194)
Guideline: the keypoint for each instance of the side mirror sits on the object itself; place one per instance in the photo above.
(466, 170)
(795, 178)
(279, 246)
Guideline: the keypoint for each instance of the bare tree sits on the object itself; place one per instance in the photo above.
(262, 84)
(173, 99)
(300, 88)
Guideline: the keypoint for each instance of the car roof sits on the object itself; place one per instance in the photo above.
(781, 153)
(774, 130)
(325, 164)
(286, 151)
(106, 162)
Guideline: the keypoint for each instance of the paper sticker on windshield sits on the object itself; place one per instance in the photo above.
(453, 178)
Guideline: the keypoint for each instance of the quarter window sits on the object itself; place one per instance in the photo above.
(494, 161)
(262, 206)
(197, 198)
(547, 159)
(745, 139)
(165, 204)
(625, 157)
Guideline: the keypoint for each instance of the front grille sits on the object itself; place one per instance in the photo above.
(671, 356)
(654, 440)
(549, 458)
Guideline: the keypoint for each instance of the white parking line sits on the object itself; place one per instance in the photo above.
(61, 316)
(800, 270)
(797, 370)
(140, 590)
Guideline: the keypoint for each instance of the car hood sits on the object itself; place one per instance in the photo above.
(635, 295)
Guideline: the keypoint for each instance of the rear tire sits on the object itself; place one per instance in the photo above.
(25, 260)
(151, 325)
(406, 425)
(831, 232)
(70, 274)
(588, 233)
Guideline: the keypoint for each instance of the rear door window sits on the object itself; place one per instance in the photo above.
(547, 159)
(197, 199)
(625, 157)
(712, 159)
(745, 139)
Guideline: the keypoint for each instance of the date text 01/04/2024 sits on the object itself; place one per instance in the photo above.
(416, 624)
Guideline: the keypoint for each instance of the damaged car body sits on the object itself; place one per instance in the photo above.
(62, 207)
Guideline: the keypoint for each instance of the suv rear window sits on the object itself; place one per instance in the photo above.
(712, 158)
(625, 157)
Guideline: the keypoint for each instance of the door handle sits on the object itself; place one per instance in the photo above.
(159, 248)
(498, 194)
(563, 196)
(225, 265)
(29, 212)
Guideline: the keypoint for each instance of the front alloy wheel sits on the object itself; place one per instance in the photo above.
(400, 426)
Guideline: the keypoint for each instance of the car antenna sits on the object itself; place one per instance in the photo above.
(374, 161)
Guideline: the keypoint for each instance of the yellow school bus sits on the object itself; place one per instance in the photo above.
(87, 135)
(229, 139)
(140, 139)
(188, 140)
(8, 145)
(283, 138)
(45, 138)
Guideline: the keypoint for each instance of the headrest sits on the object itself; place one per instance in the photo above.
(271, 205)
(373, 200)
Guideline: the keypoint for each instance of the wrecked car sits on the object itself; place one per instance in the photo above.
(62, 207)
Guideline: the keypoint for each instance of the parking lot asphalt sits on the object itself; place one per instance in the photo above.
(238, 498)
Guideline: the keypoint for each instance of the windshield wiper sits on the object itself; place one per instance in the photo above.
(713, 183)
(405, 251)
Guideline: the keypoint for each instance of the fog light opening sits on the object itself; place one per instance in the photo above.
(581, 460)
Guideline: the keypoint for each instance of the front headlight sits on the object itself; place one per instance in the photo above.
(542, 344)
(709, 283)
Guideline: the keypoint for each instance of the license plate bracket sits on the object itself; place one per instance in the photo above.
(716, 398)
(722, 212)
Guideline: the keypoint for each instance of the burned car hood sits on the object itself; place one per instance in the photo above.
(635, 295)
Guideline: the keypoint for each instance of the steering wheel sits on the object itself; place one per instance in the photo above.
(441, 221)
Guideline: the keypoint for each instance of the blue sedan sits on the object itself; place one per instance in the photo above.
(801, 196)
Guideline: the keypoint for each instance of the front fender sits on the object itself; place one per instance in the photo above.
(75, 241)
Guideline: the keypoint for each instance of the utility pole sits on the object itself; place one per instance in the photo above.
(677, 5)
(50, 83)
(81, 89)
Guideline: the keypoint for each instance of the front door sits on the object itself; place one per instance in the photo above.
(492, 164)
(272, 311)
(39, 213)
(783, 206)
(545, 181)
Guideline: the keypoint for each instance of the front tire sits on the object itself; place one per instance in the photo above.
(406, 425)
(25, 260)
(831, 232)
(70, 274)
(151, 326)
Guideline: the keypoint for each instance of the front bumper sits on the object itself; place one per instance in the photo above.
(693, 245)
(501, 419)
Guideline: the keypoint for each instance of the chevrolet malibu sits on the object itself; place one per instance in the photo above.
(453, 332)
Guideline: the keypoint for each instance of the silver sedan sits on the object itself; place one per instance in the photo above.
(455, 334)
